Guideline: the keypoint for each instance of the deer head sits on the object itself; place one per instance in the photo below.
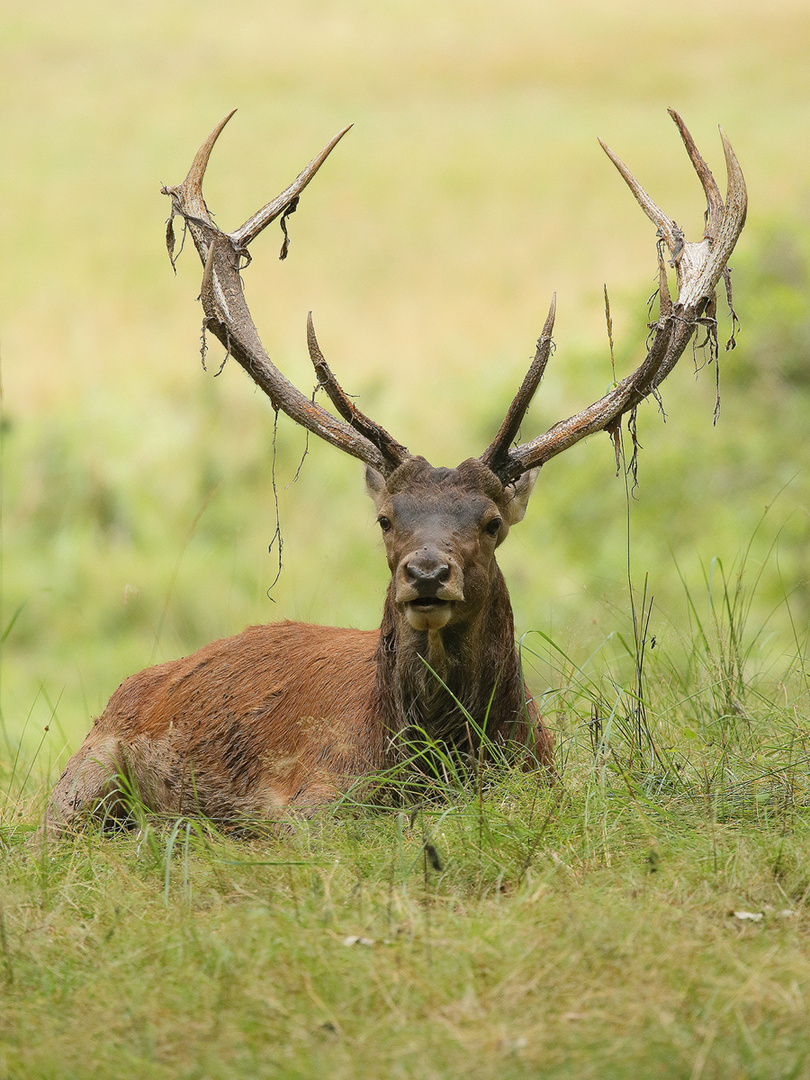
(441, 528)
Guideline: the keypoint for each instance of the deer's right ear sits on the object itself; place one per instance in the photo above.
(375, 485)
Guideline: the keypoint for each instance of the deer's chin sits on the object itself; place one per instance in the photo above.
(429, 615)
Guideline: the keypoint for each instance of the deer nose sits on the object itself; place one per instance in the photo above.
(426, 571)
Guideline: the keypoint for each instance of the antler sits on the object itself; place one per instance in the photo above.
(228, 318)
(698, 267)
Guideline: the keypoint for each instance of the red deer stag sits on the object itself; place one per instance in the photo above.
(289, 715)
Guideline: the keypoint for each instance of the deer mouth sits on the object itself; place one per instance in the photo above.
(425, 603)
(428, 612)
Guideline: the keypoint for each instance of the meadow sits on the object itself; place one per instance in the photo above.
(648, 915)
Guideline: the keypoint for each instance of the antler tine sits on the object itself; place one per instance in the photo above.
(228, 317)
(326, 379)
(714, 200)
(393, 451)
(192, 185)
(188, 201)
(262, 218)
(699, 267)
(667, 228)
(498, 450)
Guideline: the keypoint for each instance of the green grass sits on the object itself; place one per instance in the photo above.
(579, 931)
(646, 915)
(587, 957)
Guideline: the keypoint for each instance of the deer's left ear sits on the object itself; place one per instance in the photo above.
(518, 496)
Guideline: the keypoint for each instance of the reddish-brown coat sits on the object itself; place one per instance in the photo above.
(285, 715)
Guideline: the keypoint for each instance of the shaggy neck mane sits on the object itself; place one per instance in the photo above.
(427, 680)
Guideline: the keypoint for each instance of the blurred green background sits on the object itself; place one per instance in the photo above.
(137, 496)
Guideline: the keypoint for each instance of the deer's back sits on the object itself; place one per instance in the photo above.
(267, 677)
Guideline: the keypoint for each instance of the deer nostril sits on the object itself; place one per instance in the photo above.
(427, 573)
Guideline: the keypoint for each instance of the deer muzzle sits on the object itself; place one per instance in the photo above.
(429, 585)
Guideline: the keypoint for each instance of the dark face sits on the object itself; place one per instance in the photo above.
(441, 528)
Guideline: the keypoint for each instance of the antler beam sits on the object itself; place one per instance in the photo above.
(698, 267)
(228, 317)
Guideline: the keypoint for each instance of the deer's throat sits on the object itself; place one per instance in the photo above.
(446, 682)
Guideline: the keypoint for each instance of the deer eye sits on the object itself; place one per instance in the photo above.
(384, 522)
(493, 527)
